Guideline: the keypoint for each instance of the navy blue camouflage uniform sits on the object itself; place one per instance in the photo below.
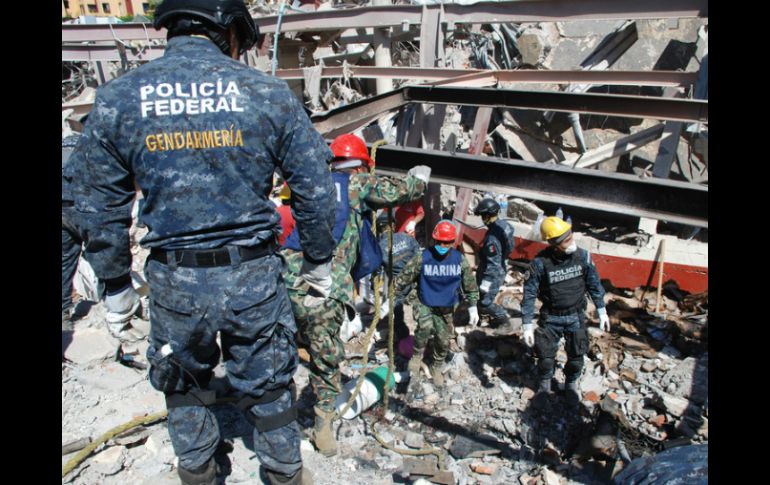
(561, 280)
(405, 247)
(71, 226)
(202, 135)
(490, 274)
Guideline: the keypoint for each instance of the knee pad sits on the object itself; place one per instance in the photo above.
(273, 421)
(546, 364)
(196, 397)
(573, 367)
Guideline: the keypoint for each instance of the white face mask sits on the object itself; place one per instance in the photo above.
(571, 248)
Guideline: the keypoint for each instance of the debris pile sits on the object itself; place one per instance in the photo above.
(644, 387)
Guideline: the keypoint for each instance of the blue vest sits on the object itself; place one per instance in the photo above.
(440, 279)
(341, 183)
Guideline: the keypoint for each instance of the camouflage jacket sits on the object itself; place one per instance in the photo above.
(201, 134)
(366, 191)
(410, 275)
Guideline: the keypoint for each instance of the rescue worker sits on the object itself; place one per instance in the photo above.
(284, 210)
(439, 272)
(405, 247)
(71, 233)
(409, 216)
(490, 274)
(121, 306)
(202, 134)
(560, 275)
(320, 320)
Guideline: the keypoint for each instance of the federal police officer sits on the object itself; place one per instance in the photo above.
(490, 274)
(560, 276)
(202, 134)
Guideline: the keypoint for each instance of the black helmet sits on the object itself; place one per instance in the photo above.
(211, 16)
(487, 207)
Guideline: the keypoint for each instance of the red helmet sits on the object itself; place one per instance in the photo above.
(445, 231)
(351, 146)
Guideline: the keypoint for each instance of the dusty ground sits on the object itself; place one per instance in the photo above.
(487, 398)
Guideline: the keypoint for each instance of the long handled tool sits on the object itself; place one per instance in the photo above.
(661, 262)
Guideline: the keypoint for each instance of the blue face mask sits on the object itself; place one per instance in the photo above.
(441, 250)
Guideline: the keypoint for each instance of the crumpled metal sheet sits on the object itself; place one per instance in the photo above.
(676, 466)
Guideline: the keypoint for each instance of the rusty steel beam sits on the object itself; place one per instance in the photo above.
(109, 53)
(600, 104)
(110, 32)
(477, 77)
(487, 12)
(661, 199)
(352, 116)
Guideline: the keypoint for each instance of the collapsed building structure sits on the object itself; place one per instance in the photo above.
(595, 107)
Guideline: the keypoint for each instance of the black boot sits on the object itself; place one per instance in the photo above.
(204, 475)
(543, 395)
(572, 394)
(302, 477)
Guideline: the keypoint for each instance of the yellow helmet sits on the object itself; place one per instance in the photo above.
(554, 229)
(285, 193)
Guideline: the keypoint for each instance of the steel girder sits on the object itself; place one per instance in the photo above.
(355, 115)
(661, 199)
(479, 77)
(487, 12)
(602, 104)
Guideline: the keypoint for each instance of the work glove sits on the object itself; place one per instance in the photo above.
(317, 276)
(473, 314)
(529, 334)
(421, 172)
(312, 301)
(121, 306)
(484, 286)
(604, 319)
(410, 227)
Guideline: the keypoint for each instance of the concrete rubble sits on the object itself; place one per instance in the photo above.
(644, 387)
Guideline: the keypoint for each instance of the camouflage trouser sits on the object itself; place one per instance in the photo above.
(320, 326)
(246, 303)
(436, 322)
(71, 244)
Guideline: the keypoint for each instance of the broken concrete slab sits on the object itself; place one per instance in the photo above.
(113, 376)
(476, 447)
(425, 466)
(690, 378)
(550, 478)
(414, 440)
(593, 383)
(676, 406)
(533, 46)
(109, 461)
(523, 210)
(90, 345)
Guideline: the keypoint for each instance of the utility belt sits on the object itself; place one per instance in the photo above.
(561, 312)
(209, 258)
